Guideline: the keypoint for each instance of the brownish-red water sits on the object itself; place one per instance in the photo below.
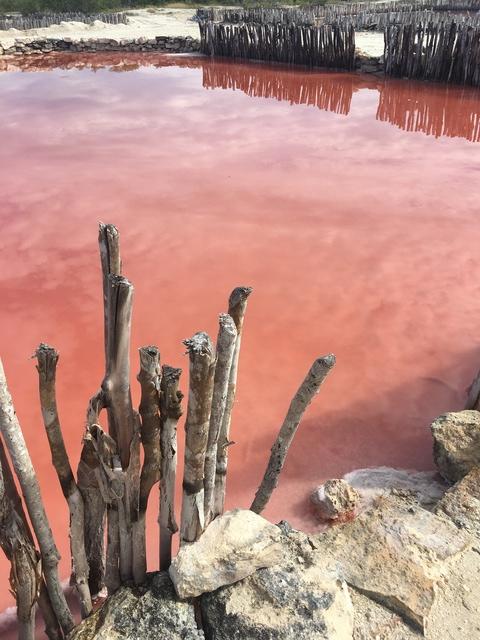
(358, 231)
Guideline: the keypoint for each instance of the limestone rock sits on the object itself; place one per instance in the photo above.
(335, 500)
(373, 621)
(296, 600)
(232, 547)
(427, 487)
(462, 504)
(456, 447)
(396, 553)
(149, 613)
(455, 613)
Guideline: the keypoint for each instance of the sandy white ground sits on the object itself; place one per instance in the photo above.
(142, 23)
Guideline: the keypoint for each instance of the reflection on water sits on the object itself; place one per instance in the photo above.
(412, 106)
(358, 238)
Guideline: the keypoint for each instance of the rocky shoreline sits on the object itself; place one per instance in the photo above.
(406, 566)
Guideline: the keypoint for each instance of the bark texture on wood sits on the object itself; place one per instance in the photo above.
(303, 397)
(47, 359)
(109, 245)
(52, 629)
(237, 305)
(17, 544)
(22, 464)
(149, 377)
(89, 474)
(171, 411)
(227, 335)
(202, 369)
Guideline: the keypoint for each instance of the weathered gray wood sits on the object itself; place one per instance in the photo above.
(301, 400)
(149, 377)
(226, 341)
(47, 359)
(170, 411)
(14, 440)
(237, 305)
(202, 369)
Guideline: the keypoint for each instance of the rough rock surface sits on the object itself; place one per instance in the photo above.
(456, 446)
(396, 553)
(232, 547)
(335, 500)
(455, 614)
(149, 613)
(296, 600)
(375, 622)
(427, 487)
(462, 504)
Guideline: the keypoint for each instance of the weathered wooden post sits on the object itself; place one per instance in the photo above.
(301, 400)
(170, 411)
(149, 377)
(237, 305)
(17, 448)
(227, 335)
(202, 369)
(47, 359)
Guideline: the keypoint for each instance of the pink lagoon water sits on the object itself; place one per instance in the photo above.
(350, 204)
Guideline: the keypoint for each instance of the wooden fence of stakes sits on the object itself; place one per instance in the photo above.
(107, 500)
(41, 21)
(330, 46)
(445, 52)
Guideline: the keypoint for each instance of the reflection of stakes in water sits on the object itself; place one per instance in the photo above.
(433, 112)
(319, 90)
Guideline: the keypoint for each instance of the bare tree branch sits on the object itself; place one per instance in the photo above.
(304, 396)
(149, 378)
(171, 411)
(202, 369)
(22, 464)
(47, 359)
(237, 305)
(227, 335)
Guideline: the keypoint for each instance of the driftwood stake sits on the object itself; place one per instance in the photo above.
(304, 396)
(237, 305)
(149, 378)
(47, 359)
(25, 573)
(171, 411)
(22, 464)
(226, 340)
(52, 629)
(202, 369)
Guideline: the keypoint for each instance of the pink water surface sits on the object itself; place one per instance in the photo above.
(350, 204)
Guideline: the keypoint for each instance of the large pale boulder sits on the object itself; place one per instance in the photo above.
(232, 547)
(456, 443)
(462, 504)
(147, 613)
(335, 500)
(397, 553)
(296, 600)
(427, 487)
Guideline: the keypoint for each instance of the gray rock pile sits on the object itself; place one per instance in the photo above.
(37, 46)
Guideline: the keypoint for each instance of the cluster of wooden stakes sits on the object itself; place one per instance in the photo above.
(114, 479)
